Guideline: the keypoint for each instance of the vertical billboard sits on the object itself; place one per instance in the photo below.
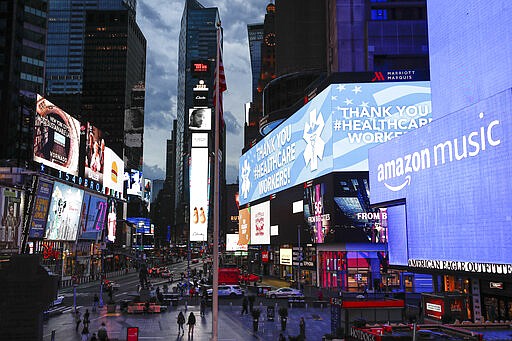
(134, 182)
(199, 190)
(244, 229)
(41, 208)
(315, 213)
(260, 223)
(10, 227)
(232, 243)
(94, 153)
(148, 186)
(64, 216)
(94, 212)
(200, 119)
(111, 220)
(332, 132)
(56, 137)
(114, 171)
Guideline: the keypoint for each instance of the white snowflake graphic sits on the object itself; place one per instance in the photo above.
(246, 183)
(315, 145)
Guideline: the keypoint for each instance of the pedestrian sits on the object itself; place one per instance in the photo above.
(302, 327)
(96, 300)
(203, 306)
(281, 337)
(93, 337)
(181, 322)
(191, 323)
(251, 302)
(77, 319)
(86, 318)
(102, 332)
(85, 333)
(244, 306)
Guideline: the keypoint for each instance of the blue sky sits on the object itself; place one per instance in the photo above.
(159, 20)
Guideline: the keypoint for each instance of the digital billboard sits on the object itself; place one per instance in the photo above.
(232, 243)
(199, 194)
(111, 220)
(332, 132)
(148, 186)
(114, 171)
(134, 182)
(56, 137)
(10, 227)
(64, 216)
(92, 218)
(260, 223)
(244, 226)
(200, 119)
(453, 177)
(94, 153)
(315, 213)
(41, 207)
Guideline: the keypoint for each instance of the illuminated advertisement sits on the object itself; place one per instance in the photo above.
(199, 139)
(260, 223)
(111, 220)
(318, 220)
(10, 227)
(232, 243)
(453, 178)
(200, 119)
(92, 218)
(147, 192)
(41, 206)
(114, 170)
(56, 137)
(285, 256)
(64, 216)
(199, 185)
(94, 153)
(332, 132)
(134, 182)
(143, 225)
(434, 307)
(244, 226)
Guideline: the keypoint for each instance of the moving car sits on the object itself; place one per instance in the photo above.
(283, 293)
(228, 291)
(166, 273)
(107, 284)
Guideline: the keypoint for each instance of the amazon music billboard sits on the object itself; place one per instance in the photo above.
(332, 132)
(449, 183)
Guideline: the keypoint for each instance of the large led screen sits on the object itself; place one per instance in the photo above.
(199, 190)
(114, 170)
(64, 216)
(56, 137)
(332, 132)
(41, 207)
(134, 182)
(454, 176)
(260, 223)
(92, 219)
(244, 226)
(94, 154)
(11, 223)
(111, 220)
(315, 213)
(200, 119)
(232, 243)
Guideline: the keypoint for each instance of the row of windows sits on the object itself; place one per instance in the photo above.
(31, 78)
(34, 11)
(32, 61)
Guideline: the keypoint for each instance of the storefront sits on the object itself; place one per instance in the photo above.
(496, 300)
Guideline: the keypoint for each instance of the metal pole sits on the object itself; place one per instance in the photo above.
(215, 297)
(101, 278)
(300, 258)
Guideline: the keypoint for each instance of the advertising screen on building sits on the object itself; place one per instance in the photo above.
(285, 256)
(260, 223)
(199, 194)
(64, 216)
(111, 220)
(148, 188)
(315, 213)
(232, 243)
(56, 137)
(92, 218)
(244, 226)
(114, 171)
(10, 227)
(41, 207)
(200, 119)
(94, 153)
(134, 182)
(332, 132)
(454, 178)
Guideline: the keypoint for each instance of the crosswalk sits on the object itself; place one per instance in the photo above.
(60, 309)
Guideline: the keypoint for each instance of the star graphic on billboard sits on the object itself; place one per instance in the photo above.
(314, 144)
(246, 183)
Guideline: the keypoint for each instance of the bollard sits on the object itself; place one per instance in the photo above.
(231, 306)
(322, 306)
(186, 305)
(306, 306)
(261, 304)
(53, 335)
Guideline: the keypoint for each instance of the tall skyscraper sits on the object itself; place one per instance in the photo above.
(196, 63)
(23, 32)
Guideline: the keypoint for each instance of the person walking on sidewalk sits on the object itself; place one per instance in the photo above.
(251, 302)
(203, 306)
(77, 319)
(86, 319)
(244, 306)
(302, 327)
(102, 332)
(96, 300)
(181, 322)
(191, 324)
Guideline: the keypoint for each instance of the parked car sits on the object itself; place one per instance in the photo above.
(283, 293)
(195, 260)
(249, 278)
(228, 291)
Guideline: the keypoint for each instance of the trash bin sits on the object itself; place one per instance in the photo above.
(271, 313)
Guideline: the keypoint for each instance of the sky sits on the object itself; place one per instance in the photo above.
(160, 21)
